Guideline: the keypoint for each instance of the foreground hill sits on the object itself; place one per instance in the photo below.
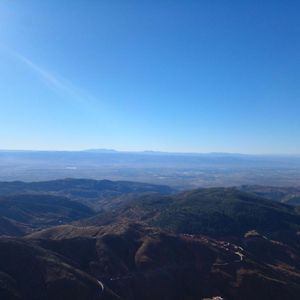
(215, 211)
(140, 262)
(23, 213)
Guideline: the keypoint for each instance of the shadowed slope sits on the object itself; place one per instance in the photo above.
(24, 213)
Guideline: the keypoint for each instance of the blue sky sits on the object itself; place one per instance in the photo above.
(196, 76)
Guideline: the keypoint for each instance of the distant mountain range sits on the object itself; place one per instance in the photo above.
(25, 207)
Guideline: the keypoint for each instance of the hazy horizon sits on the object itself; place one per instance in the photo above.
(148, 151)
(172, 76)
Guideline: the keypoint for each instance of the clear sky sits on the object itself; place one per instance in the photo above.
(197, 76)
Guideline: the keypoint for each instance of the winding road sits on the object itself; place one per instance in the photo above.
(240, 255)
(101, 285)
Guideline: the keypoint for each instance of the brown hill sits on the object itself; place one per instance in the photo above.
(140, 262)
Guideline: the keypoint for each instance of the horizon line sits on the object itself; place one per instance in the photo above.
(106, 150)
